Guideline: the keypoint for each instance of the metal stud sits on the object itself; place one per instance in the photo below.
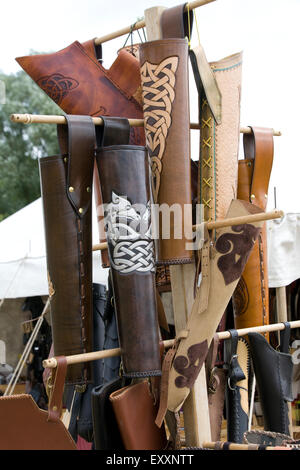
(88, 189)
(252, 196)
(71, 189)
(80, 210)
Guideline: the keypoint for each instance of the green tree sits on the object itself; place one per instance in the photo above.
(20, 144)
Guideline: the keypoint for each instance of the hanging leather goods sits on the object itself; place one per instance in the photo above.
(251, 297)
(222, 263)
(77, 82)
(26, 427)
(164, 76)
(273, 371)
(66, 188)
(237, 365)
(126, 190)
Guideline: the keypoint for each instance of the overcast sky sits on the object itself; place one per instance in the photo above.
(267, 31)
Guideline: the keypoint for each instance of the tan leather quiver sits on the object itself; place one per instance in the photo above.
(251, 296)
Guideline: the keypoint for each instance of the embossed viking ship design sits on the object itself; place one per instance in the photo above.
(158, 82)
(128, 228)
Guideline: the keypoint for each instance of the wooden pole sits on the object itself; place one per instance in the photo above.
(53, 119)
(248, 219)
(142, 23)
(51, 363)
(234, 446)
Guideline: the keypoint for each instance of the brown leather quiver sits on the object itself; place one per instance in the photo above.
(135, 413)
(251, 297)
(126, 192)
(164, 74)
(66, 187)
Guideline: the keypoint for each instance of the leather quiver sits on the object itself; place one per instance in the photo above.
(222, 262)
(126, 191)
(106, 431)
(219, 141)
(26, 427)
(77, 82)
(135, 413)
(66, 188)
(273, 371)
(164, 76)
(237, 364)
(251, 297)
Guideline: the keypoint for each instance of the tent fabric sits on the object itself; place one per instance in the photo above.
(23, 263)
(283, 244)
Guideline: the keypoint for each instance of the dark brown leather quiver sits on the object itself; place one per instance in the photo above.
(126, 191)
(77, 82)
(135, 413)
(66, 187)
(164, 74)
(26, 427)
(251, 297)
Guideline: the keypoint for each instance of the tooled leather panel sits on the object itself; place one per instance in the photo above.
(125, 181)
(164, 69)
(220, 143)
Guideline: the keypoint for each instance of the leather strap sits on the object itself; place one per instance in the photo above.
(235, 372)
(176, 22)
(285, 336)
(259, 147)
(114, 131)
(77, 140)
(58, 380)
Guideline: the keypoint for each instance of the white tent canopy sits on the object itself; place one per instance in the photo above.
(23, 264)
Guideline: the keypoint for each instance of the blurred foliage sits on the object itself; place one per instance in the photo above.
(21, 145)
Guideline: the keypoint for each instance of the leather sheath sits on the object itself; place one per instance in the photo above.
(135, 412)
(76, 81)
(237, 364)
(66, 188)
(222, 263)
(273, 371)
(27, 427)
(215, 379)
(164, 76)
(175, 22)
(126, 190)
(251, 297)
(219, 141)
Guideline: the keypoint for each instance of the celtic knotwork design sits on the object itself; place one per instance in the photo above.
(158, 82)
(129, 235)
(57, 86)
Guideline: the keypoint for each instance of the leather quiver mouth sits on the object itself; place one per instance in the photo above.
(164, 76)
(66, 188)
(237, 365)
(222, 264)
(273, 371)
(27, 427)
(106, 431)
(135, 412)
(126, 191)
(251, 297)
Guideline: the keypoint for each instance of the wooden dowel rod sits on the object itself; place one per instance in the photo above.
(235, 446)
(276, 214)
(51, 119)
(141, 24)
(93, 356)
